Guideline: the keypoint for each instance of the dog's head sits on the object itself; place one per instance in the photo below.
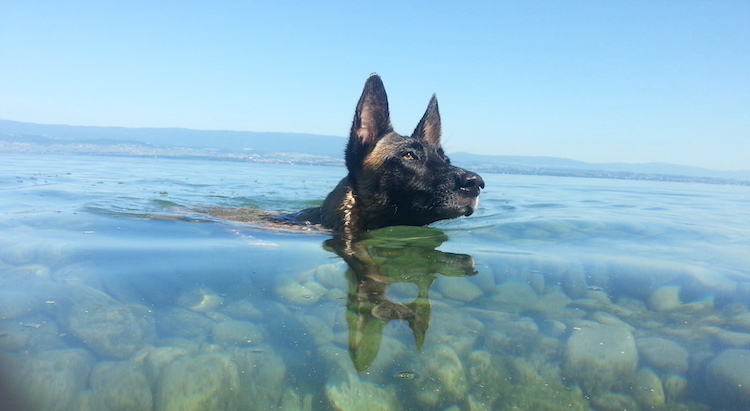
(404, 180)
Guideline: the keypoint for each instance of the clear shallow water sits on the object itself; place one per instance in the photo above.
(559, 293)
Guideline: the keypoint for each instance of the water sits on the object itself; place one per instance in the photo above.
(559, 293)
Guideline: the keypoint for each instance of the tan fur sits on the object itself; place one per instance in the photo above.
(379, 154)
(348, 208)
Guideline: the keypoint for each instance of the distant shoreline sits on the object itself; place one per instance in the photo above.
(141, 150)
(309, 149)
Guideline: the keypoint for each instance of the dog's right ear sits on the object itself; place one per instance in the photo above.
(371, 122)
(372, 119)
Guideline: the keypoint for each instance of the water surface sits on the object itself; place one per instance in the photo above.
(559, 293)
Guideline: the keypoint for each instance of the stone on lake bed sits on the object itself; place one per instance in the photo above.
(664, 355)
(26, 274)
(201, 382)
(16, 304)
(108, 327)
(511, 296)
(648, 389)
(200, 300)
(234, 332)
(293, 292)
(50, 379)
(121, 386)
(349, 393)
(728, 379)
(674, 386)
(331, 275)
(181, 322)
(665, 298)
(460, 289)
(13, 335)
(158, 357)
(732, 339)
(442, 376)
(243, 310)
(739, 322)
(320, 331)
(600, 357)
(87, 400)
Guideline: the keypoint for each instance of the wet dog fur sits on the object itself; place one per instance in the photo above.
(393, 179)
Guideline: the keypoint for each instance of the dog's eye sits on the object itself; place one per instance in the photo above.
(409, 155)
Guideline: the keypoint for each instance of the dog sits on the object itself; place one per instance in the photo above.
(393, 179)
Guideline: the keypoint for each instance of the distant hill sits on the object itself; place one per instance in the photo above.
(309, 149)
(554, 163)
(176, 137)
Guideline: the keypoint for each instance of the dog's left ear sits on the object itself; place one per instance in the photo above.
(429, 127)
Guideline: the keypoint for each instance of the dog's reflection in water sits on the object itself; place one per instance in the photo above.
(383, 257)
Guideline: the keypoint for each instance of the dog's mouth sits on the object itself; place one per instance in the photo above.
(465, 206)
(471, 207)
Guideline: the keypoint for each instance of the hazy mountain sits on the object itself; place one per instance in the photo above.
(179, 137)
(309, 148)
(566, 164)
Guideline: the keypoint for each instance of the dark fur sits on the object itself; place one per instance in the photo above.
(394, 179)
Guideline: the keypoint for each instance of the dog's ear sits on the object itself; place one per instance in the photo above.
(429, 127)
(371, 120)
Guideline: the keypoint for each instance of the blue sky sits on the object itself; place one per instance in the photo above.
(597, 81)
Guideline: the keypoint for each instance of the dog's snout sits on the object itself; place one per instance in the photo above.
(471, 182)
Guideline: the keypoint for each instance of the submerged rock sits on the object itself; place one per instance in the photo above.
(731, 338)
(728, 379)
(648, 389)
(17, 304)
(319, 330)
(666, 298)
(457, 330)
(262, 373)
(180, 322)
(200, 300)
(87, 400)
(158, 357)
(610, 401)
(739, 321)
(460, 289)
(202, 382)
(296, 293)
(512, 297)
(106, 326)
(51, 379)
(121, 386)
(511, 383)
(243, 310)
(13, 335)
(674, 386)
(600, 357)
(233, 332)
(443, 378)
(349, 393)
(292, 401)
(664, 355)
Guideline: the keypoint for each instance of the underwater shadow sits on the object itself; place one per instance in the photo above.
(386, 256)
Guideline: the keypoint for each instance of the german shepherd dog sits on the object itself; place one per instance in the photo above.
(393, 179)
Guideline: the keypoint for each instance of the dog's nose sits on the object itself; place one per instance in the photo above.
(471, 182)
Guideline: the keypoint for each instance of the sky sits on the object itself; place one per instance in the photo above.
(598, 81)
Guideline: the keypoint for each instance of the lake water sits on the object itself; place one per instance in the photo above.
(558, 294)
